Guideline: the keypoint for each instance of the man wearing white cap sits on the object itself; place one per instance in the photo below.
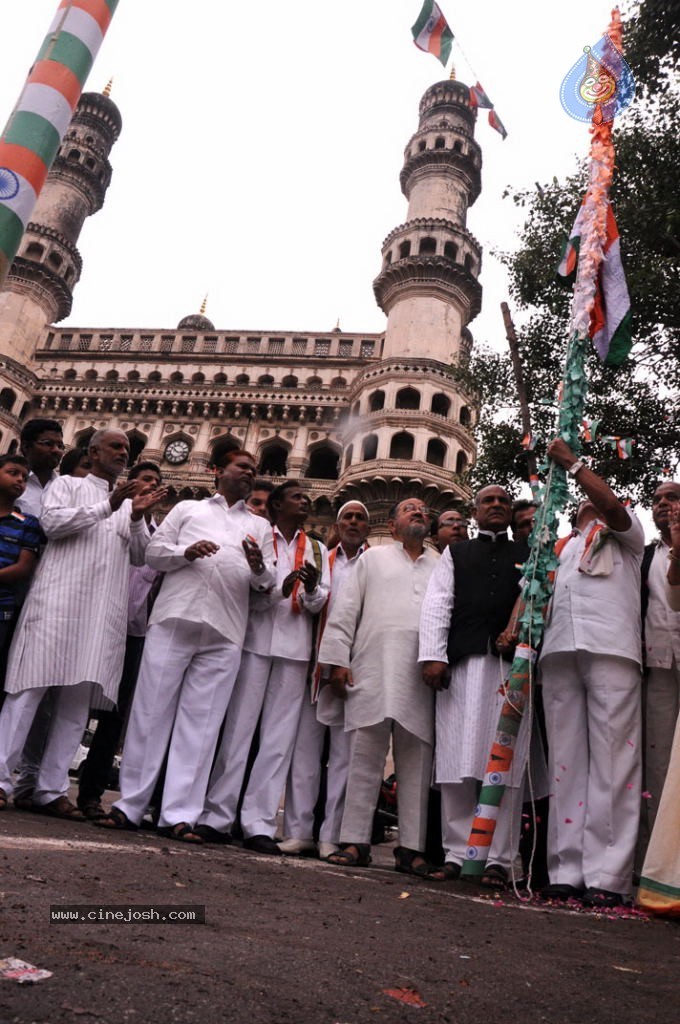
(324, 714)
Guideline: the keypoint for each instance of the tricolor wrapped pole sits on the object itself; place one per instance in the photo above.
(542, 562)
(37, 125)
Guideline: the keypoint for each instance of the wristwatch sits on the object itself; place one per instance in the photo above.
(575, 466)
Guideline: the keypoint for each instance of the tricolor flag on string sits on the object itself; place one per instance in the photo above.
(431, 32)
(624, 447)
(610, 319)
(478, 97)
(495, 122)
(529, 442)
(589, 429)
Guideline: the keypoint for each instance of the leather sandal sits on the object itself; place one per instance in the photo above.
(61, 808)
(352, 855)
(412, 862)
(116, 820)
(182, 832)
(494, 877)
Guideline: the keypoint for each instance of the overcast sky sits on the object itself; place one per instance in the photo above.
(259, 159)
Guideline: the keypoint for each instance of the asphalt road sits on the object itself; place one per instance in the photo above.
(289, 941)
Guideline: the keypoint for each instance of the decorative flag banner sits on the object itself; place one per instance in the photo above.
(37, 125)
(478, 97)
(623, 445)
(610, 319)
(600, 80)
(495, 122)
(539, 568)
(589, 429)
(431, 32)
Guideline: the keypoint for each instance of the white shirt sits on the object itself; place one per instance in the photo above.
(277, 631)
(373, 631)
(599, 614)
(31, 499)
(662, 623)
(435, 617)
(73, 624)
(213, 590)
(330, 710)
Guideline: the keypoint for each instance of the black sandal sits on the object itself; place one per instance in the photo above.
(494, 877)
(345, 859)
(116, 821)
(182, 832)
(405, 862)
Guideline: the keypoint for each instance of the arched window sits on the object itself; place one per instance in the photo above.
(404, 250)
(436, 452)
(34, 251)
(274, 460)
(323, 463)
(69, 374)
(440, 404)
(266, 380)
(468, 263)
(154, 377)
(314, 382)
(461, 462)
(338, 382)
(440, 142)
(464, 416)
(376, 401)
(55, 260)
(7, 399)
(112, 375)
(92, 375)
(242, 378)
(450, 250)
(74, 154)
(408, 398)
(428, 246)
(137, 446)
(401, 446)
(369, 448)
(198, 378)
(133, 375)
(176, 377)
(422, 146)
(290, 381)
(458, 146)
(220, 378)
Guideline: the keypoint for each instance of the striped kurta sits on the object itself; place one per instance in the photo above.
(72, 626)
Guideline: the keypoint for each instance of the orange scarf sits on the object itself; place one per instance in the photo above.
(299, 562)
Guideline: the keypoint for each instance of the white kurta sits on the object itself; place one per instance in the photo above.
(73, 623)
(467, 712)
(373, 630)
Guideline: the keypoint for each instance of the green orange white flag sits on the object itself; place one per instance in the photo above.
(431, 32)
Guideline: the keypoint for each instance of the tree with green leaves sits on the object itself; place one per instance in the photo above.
(640, 399)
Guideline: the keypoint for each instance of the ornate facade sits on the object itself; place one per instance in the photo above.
(371, 416)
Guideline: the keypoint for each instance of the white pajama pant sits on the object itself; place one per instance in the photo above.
(183, 689)
(413, 768)
(69, 719)
(459, 800)
(286, 690)
(226, 779)
(593, 719)
(304, 779)
(662, 706)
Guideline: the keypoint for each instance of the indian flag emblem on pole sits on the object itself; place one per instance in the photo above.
(431, 32)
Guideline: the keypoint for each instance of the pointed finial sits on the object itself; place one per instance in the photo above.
(452, 76)
(204, 304)
(107, 87)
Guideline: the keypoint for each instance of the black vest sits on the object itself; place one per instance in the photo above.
(486, 586)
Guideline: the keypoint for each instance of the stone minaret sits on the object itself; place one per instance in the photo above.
(410, 426)
(39, 288)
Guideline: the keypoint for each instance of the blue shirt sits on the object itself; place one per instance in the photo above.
(19, 532)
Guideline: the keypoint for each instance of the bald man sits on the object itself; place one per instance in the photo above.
(71, 632)
(323, 717)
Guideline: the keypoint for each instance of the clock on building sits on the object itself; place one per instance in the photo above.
(177, 452)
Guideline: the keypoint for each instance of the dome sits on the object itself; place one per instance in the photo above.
(195, 322)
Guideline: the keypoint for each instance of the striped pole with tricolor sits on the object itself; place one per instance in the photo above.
(36, 127)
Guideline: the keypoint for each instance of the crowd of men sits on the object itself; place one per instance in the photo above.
(246, 663)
